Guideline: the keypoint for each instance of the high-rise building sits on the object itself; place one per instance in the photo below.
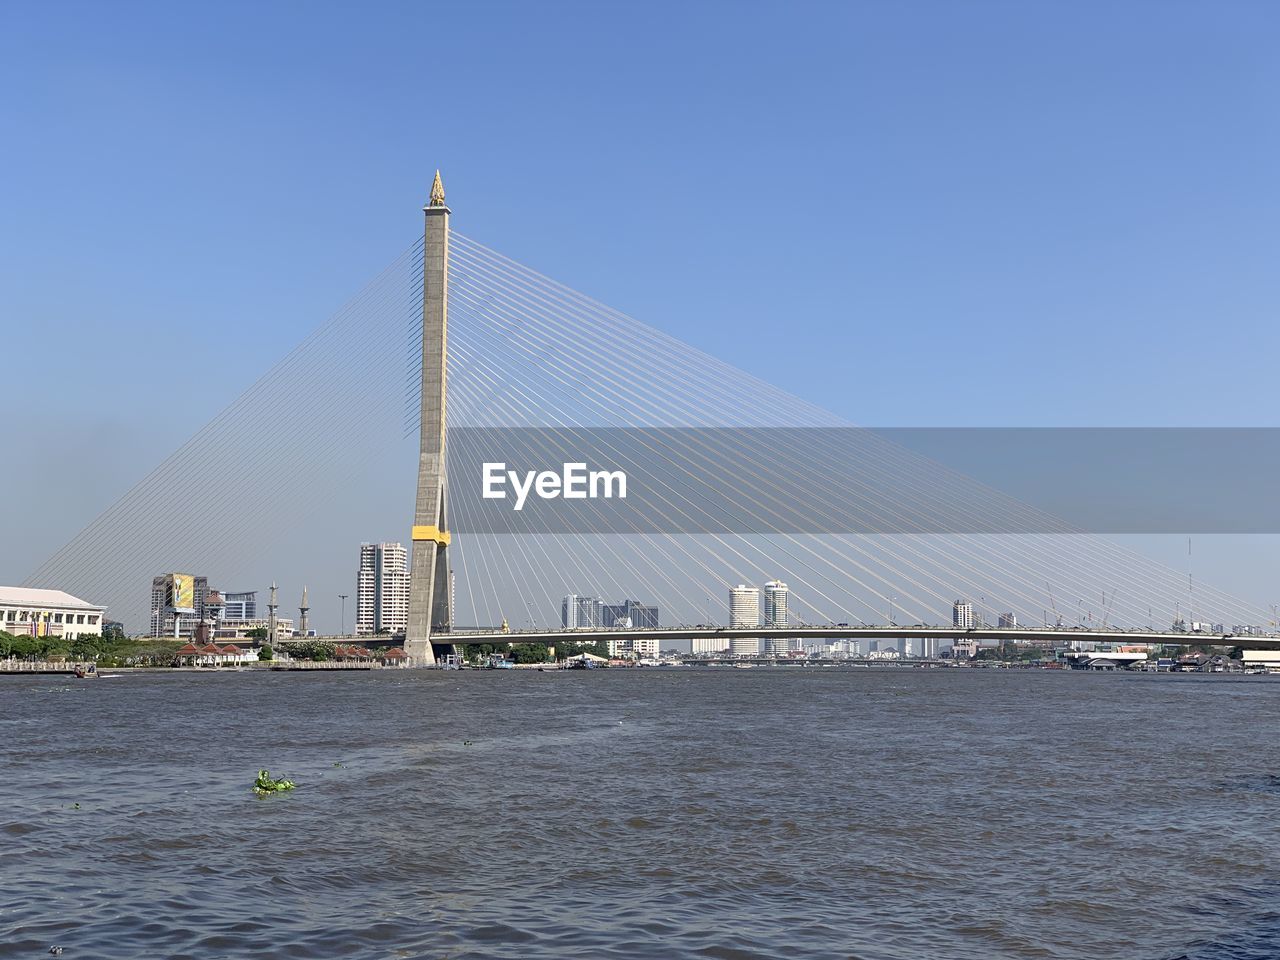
(929, 647)
(744, 646)
(576, 611)
(1007, 621)
(382, 589)
(177, 604)
(775, 604)
(744, 606)
(775, 615)
(629, 613)
(240, 606)
(962, 614)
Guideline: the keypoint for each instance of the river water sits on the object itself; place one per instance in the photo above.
(671, 813)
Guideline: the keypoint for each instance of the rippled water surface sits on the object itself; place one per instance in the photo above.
(701, 813)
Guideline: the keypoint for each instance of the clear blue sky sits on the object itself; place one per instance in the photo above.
(915, 213)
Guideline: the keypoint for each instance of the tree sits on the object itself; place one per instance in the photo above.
(571, 648)
(257, 633)
(88, 647)
(311, 650)
(266, 653)
(25, 647)
(529, 653)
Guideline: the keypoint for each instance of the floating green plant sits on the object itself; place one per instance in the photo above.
(266, 784)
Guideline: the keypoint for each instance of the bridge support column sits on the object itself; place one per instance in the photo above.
(429, 581)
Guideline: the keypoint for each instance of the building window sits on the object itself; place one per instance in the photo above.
(57, 618)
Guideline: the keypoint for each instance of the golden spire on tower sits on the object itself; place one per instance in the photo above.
(437, 191)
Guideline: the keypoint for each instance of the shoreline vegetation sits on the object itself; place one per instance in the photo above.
(106, 650)
(116, 651)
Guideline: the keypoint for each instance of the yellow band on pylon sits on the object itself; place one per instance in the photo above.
(421, 534)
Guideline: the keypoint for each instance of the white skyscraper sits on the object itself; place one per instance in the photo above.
(962, 614)
(775, 604)
(741, 647)
(775, 614)
(744, 606)
(382, 589)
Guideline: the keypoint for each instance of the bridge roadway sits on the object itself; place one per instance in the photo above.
(1053, 635)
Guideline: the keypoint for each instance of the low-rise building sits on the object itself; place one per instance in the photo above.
(1261, 658)
(709, 645)
(32, 612)
(638, 648)
(241, 629)
(212, 655)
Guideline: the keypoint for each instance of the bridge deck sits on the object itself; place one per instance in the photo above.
(1052, 635)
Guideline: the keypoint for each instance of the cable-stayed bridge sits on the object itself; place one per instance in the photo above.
(454, 341)
(1047, 635)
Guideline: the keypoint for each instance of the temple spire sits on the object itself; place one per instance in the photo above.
(437, 192)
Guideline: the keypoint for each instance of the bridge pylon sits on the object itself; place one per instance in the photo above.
(429, 571)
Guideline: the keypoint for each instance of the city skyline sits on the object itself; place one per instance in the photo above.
(1237, 563)
(814, 447)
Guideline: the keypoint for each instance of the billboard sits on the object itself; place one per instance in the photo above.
(180, 593)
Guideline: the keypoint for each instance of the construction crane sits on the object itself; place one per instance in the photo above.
(1056, 615)
(1106, 606)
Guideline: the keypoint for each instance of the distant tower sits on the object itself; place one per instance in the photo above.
(382, 589)
(775, 614)
(744, 606)
(775, 604)
(429, 581)
(302, 613)
(272, 632)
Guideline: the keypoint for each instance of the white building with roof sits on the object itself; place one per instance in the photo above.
(27, 611)
(639, 648)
